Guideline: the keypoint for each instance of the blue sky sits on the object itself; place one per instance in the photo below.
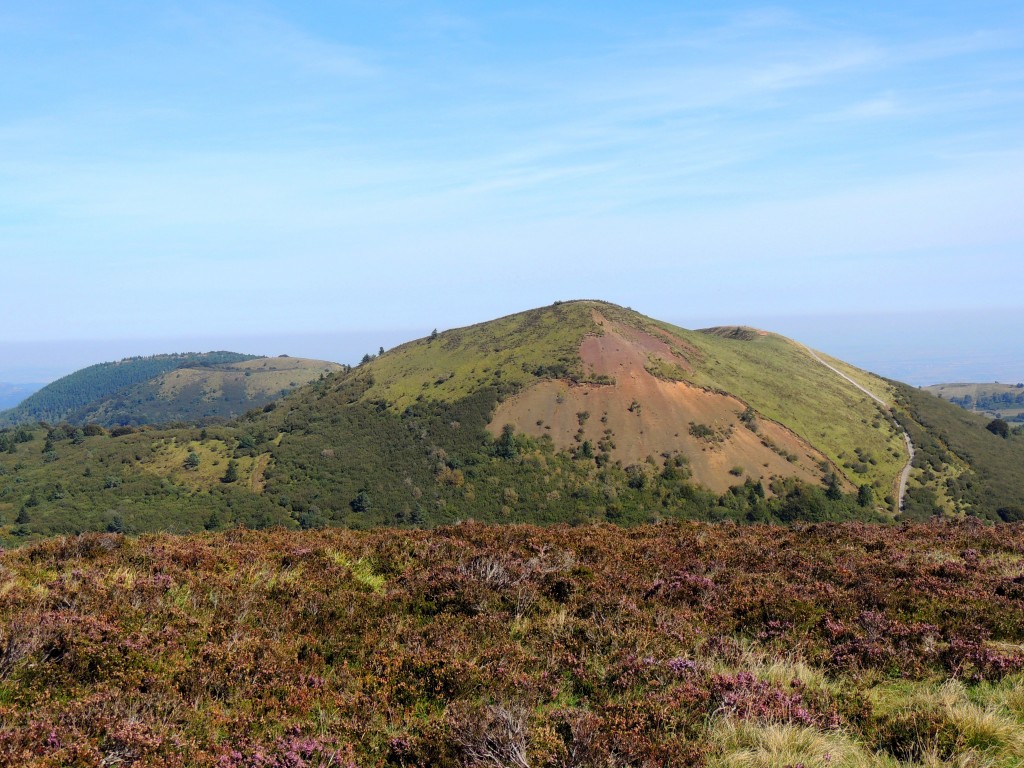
(208, 171)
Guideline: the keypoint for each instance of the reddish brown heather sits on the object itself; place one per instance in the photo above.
(476, 645)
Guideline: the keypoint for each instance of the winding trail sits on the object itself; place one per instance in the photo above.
(905, 474)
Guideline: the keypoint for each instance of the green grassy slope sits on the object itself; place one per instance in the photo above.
(779, 379)
(505, 353)
(134, 482)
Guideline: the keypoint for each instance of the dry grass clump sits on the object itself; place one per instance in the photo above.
(753, 745)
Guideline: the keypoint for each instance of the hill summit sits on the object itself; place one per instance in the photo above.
(608, 382)
(578, 412)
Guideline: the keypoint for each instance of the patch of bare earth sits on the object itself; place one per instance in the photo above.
(642, 415)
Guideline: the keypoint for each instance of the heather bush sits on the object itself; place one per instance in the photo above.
(672, 644)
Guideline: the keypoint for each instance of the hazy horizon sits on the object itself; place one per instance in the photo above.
(918, 348)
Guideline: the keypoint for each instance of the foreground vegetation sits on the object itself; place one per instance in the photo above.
(674, 644)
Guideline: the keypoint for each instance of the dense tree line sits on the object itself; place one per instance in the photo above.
(332, 459)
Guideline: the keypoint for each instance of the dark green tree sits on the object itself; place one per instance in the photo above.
(505, 447)
(231, 475)
(636, 476)
(361, 503)
(865, 496)
(749, 419)
(999, 427)
(833, 491)
(312, 518)
(1011, 514)
(192, 460)
(117, 524)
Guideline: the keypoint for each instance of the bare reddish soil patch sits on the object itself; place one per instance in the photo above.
(641, 415)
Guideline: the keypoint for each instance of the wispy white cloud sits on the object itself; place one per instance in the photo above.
(257, 36)
(881, 107)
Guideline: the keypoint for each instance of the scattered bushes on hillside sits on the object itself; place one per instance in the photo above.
(432, 464)
(999, 427)
(946, 436)
(62, 398)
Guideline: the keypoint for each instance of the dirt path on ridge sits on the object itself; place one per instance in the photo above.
(905, 474)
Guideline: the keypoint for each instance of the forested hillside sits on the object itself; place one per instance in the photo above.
(58, 400)
(203, 394)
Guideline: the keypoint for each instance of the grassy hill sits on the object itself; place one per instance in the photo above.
(579, 412)
(190, 388)
(771, 374)
(203, 393)
(826, 646)
(58, 400)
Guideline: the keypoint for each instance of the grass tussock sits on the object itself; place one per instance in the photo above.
(949, 723)
(754, 745)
